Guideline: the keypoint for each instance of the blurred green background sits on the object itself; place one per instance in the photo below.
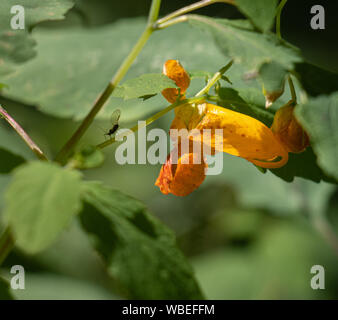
(248, 235)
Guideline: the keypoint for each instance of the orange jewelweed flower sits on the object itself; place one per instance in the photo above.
(182, 178)
(240, 135)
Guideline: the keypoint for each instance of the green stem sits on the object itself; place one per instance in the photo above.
(153, 118)
(21, 132)
(189, 8)
(121, 72)
(216, 77)
(6, 244)
(154, 11)
(278, 17)
(171, 22)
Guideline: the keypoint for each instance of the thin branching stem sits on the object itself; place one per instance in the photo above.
(21, 132)
(216, 77)
(189, 8)
(172, 22)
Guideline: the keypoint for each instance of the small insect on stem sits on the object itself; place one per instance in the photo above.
(115, 117)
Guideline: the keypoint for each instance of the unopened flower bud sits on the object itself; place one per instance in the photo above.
(288, 130)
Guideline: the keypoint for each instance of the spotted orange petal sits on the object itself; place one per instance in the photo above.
(182, 178)
(174, 70)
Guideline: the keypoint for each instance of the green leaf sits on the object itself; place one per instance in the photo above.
(87, 158)
(316, 80)
(273, 77)
(41, 200)
(319, 117)
(246, 46)
(17, 46)
(267, 270)
(140, 252)
(256, 190)
(260, 12)
(200, 74)
(76, 65)
(36, 11)
(4, 290)
(144, 85)
(249, 101)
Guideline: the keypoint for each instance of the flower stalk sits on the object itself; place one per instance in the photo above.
(180, 12)
(153, 118)
(216, 77)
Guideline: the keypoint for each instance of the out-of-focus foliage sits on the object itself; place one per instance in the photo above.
(247, 235)
(4, 290)
(275, 266)
(36, 11)
(319, 117)
(238, 41)
(140, 252)
(260, 12)
(40, 202)
(18, 45)
(66, 86)
(316, 80)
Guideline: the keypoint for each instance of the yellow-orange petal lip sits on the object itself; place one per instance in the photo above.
(240, 135)
(182, 178)
(288, 130)
(174, 70)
